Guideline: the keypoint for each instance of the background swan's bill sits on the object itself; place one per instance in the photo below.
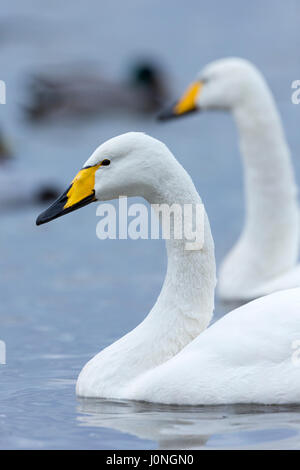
(170, 113)
(186, 105)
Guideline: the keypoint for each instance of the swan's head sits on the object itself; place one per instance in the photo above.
(131, 164)
(223, 84)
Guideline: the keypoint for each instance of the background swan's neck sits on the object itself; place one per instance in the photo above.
(183, 309)
(272, 227)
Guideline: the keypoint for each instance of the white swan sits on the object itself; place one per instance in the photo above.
(264, 259)
(169, 358)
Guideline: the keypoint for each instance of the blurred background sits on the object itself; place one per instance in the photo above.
(76, 74)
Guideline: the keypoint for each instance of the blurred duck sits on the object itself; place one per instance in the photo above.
(18, 186)
(265, 257)
(5, 152)
(84, 93)
(172, 357)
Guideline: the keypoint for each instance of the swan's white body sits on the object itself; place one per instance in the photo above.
(265, 256)
(246, 357)
(171, 357)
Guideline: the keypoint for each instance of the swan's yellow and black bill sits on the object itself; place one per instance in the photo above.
(79, 194)
(187, 103)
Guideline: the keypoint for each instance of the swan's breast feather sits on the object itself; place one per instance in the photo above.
(246, 357)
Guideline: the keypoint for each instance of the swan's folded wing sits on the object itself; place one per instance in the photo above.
(252, 355)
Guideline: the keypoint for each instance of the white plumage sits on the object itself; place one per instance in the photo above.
(172, 357)
(264, 258)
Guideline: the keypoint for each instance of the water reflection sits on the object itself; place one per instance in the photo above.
(174, 427)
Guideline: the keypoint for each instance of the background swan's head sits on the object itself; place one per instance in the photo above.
(222, 84)
(131, 164)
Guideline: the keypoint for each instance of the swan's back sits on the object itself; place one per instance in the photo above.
(249, 356)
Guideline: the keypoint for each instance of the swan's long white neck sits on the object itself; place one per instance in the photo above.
(188, 289)
(271, 230)
(183, 309)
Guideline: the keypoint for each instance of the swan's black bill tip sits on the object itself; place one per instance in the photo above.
(171, 113)
(42, 219)
(61, 207)
(167, 113)
(38, 221)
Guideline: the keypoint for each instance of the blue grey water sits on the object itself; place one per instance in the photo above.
(64, 294)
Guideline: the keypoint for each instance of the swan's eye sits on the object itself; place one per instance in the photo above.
(105, 162)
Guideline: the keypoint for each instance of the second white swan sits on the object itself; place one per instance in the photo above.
(265, 257)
